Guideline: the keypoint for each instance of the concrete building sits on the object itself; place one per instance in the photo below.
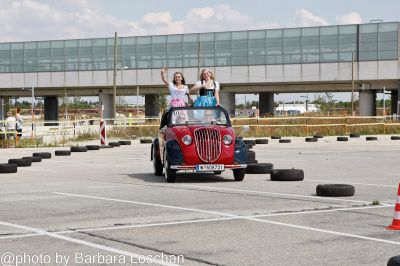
(310, 59)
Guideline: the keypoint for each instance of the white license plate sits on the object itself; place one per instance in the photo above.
(209, 167)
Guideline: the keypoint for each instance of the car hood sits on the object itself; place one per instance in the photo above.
(182, 130)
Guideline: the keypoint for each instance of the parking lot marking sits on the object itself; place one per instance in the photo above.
(236, 216)
(353, 183)
(279, 194)
(82, 242)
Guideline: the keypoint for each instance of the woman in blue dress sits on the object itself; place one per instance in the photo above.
(208, 89)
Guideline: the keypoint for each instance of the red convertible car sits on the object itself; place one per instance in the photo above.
(197, 139)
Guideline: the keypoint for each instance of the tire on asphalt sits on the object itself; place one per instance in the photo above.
(275, 137)
(79, 149)
(354, 135)
(62, 153)
(124, 142)
(20, 162)
(311, 139)
(261, 141)
(93, 147)
(249, 146)
(105, 147)
(252, 161)
(335, 190)
(259, 168)
(287, 175)
(217, 172)
(239, 174)
(395, 137)
(251, 155)
(146, 141)
(394, 261)
(249, 141)
(43, 155)
(114, 144)
(371, 138)
(8, 168)
(285, 141)
(318, 136)
(34, 159)
(342, 138)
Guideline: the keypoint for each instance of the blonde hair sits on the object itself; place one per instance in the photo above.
(209, 71)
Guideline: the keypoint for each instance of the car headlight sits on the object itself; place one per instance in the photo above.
(227, 139)
(187, 140)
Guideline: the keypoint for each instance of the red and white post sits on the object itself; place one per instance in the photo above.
(103, 132)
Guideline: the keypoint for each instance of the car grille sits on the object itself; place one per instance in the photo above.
(208, 144)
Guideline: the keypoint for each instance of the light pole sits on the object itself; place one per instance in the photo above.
(119, 99)
(306, 101)
(33, 105)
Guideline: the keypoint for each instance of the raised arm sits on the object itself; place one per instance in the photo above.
(163, 70)
(195, 87)
(217, 96)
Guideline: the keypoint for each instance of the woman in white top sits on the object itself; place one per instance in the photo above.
(208, 89)
(177, 88)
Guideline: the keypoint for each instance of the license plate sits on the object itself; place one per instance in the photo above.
(209, 167)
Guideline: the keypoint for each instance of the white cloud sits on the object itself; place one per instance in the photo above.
(304, 18)
(349, 18)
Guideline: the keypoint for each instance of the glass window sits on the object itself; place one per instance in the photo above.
(222, 36)
(17, 53)
(312, 40)
(387, 36)
(328, 39)
(71, 43)
(369, 37)
(239, 35)
(44, 52)
(310, 49)
(275, 42)
(387, 55)
(306, 32)
(257, 60)
(274, 59)
(369, 28)
(143, 48)
(223, 44)
(174, 38)
(291, 41)
(57, 52)
(329, 48)
(100, 42)
(310, 57)
(17, 45)
(348, 38)
(329, 30)
(5, 46)
(239, 52)
(368, 46)
(364, 56)
(288, 33)
(329, 57)
(257, 43)
(275, 33)
(239, 61)
(30, 45)
(205, 45)
(223, 61)
(291, 59)
(159, 39)
(239, 44)
(257, 34)
(30, 52)
(348, 29)
(206, 37)
(345, 47)
(346, 56)
(85, 43)
(387, 46)
(191, 37)
(126, 41)
(143, 40)
(174, 47)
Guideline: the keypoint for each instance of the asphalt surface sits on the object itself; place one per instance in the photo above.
(106, 207)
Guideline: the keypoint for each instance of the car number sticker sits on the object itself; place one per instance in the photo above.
(209, 167)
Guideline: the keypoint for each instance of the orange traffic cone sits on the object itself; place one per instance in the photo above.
(396, 218)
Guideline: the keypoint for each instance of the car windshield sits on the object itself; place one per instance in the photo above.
(198, 116)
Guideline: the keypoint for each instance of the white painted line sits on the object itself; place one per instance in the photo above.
(238, 217)
(354, 183)
(82, 242)
(279, 194)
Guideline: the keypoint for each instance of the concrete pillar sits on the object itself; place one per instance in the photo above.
(51, 110)
(227, 100)
(266, 103)
(2, 116)
(367, 103)
(151, 105)
(394, 99)
(106, 101)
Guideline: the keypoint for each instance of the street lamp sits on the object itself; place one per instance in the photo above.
(33, 105)
(119, 101)
(306, 101)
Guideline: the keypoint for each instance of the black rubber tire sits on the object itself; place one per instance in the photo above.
(371, 138)
(285, 141)
(217, 172)
(394, 261)
(170, 174)
(34, 159)
(93, 147)
(354, 135)
(252, 161)
(157, 164)
(287, 175)
(251, 155)
(275, 137)
(261, 141)
(395, 137)
(249, 146)
(124, 142)
(62, 153)
(105, 147)
(318, 136)
(43, 155)
(239, 174)
(20, 162)
(335, 190)
(311, 139)
(79, 149)
(114, 144)
(342, 139)
(146, 141)
(8, 168)
(249, 141)
(259, 168)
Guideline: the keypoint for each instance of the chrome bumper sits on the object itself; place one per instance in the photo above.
(193, 167)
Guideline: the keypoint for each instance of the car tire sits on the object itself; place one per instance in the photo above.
(249, 146)
(394, 261)
(354, 135)
(20, 162)
(105, 147)
(249, 141)
(285, 141)
(93, 147)
(252, 161)
(170, 174)
(371, 138)
(311, 139)
(239, 174)
(287, 175)
(342, 138)
(259, 168)
(114, 144)
(217, 172)
(34, 159)
(251, 155)
(79, 149)
(8, 168)
(335, 190)
(395, 137)
(146, 141)
(157, 165)
(261, 141)
(124, 142)
(62, 153)
(43, 155)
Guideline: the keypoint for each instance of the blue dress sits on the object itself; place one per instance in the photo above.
(207, 96)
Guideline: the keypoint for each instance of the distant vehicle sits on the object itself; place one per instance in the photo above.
(198, 139)
(295, 109)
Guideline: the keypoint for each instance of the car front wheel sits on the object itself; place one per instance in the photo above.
(170, 174)
(239, 174)
(157, 165)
